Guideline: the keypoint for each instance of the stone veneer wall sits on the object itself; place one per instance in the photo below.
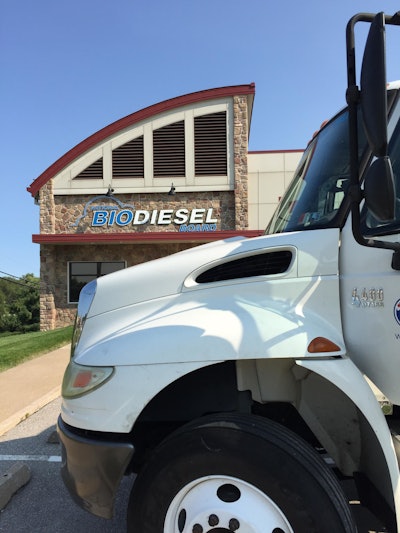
(240, 148)
(48, 313)
(47, 208)
(68, 209)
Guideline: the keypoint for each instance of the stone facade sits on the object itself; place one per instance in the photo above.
(240, 146)
(67, 210)
(47, 208)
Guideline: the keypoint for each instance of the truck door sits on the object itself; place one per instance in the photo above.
(370, 290)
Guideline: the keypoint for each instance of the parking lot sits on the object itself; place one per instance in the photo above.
(43, 504)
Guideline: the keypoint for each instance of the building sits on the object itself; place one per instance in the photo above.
(168, 177)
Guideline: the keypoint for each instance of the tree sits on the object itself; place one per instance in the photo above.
(19, 303)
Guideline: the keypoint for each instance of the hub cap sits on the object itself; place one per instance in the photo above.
(222, 504)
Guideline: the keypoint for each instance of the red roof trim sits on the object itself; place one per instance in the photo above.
(149, 237)
(125, 122)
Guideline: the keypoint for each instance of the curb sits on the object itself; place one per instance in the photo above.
(29, 410)
(10, 482)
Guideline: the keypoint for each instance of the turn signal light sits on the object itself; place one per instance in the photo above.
(321, 344)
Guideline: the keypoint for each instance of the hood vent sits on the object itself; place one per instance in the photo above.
(266, 264)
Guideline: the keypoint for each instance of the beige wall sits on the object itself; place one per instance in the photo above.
(269, 175)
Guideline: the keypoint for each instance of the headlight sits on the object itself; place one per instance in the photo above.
(79, 380)
(85, 301)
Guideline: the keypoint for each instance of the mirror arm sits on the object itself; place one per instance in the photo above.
(356, 196)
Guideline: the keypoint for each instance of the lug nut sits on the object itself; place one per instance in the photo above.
(234, 524)
(213, 520)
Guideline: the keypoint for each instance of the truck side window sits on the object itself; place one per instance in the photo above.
(370, 225)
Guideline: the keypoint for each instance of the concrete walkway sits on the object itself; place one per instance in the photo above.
(29, 386)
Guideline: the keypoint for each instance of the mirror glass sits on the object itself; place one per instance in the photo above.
(379, 189)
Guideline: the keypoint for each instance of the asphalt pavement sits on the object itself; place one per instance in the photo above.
(24, 390)
(43, 505)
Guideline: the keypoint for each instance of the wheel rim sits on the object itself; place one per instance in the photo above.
(220, 504)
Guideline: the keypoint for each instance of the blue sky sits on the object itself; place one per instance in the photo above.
(69, 68)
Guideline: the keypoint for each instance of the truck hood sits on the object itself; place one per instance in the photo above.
(173, 274)
(263, 297)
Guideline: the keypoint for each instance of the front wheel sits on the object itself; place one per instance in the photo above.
(237, 473)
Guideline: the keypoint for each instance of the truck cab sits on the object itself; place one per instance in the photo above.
(247, 382)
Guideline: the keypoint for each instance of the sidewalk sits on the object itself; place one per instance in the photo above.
(29, 386)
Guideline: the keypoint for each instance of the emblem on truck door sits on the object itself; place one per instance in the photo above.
(368, 297)
(397, 311)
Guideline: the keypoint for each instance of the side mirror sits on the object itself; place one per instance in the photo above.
(379, 190)
(373, 87)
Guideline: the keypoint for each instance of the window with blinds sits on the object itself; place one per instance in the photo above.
(92, 172)
(210, 145)
(128, 160)
(169, 150)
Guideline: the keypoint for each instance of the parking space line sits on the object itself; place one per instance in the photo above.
(43, 458)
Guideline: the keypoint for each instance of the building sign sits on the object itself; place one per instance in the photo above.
(116, 213)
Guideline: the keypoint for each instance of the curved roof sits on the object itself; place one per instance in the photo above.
(130, 120)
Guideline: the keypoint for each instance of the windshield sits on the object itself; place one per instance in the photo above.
(320, 183)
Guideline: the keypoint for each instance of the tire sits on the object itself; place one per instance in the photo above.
(239, 473)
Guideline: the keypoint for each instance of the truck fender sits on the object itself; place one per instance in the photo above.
(341, 409)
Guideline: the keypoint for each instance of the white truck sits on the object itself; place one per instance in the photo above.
(245, 381)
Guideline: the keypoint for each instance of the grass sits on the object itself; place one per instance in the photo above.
(15, 349)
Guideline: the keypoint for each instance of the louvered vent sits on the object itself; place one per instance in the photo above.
(169, 150)
(92, 172)
(128, 160)
(210, 150)
(246, 267)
